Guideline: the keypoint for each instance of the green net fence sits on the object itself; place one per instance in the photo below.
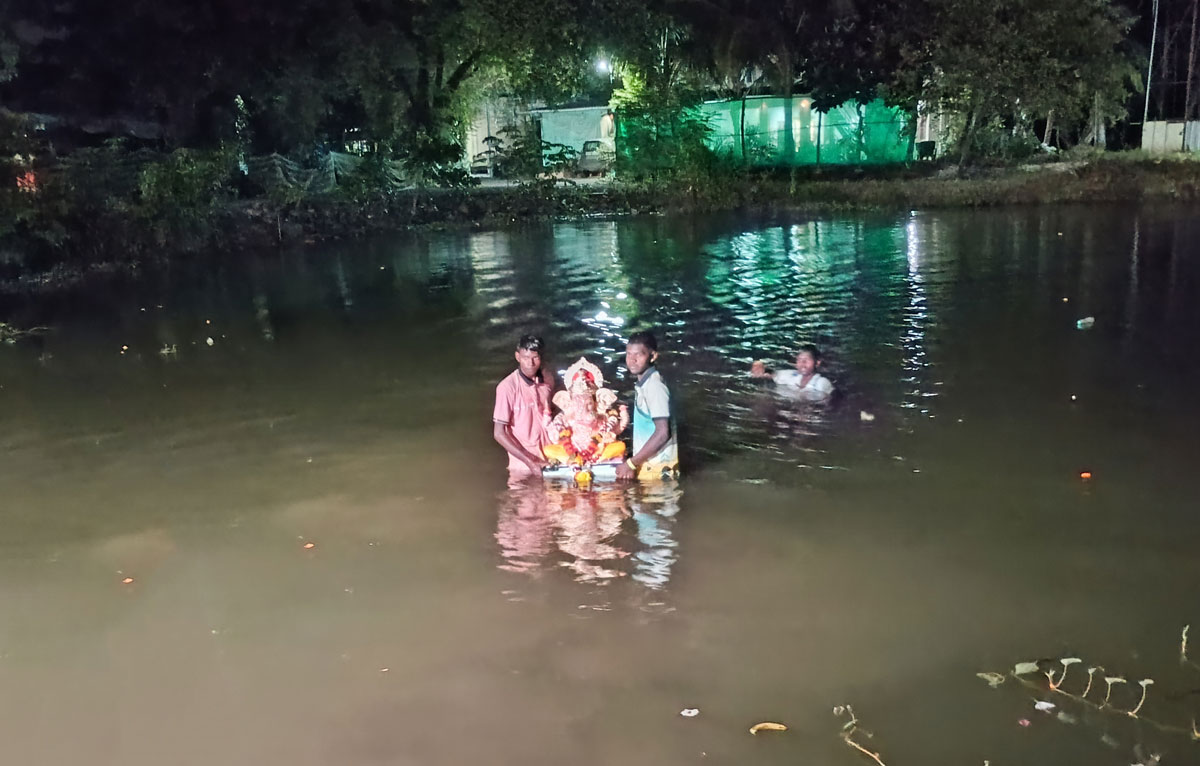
(754, 131)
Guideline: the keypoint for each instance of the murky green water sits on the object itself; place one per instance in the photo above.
(808, 558)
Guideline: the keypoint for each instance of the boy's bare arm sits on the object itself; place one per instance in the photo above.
(657, 440)
(503, 434)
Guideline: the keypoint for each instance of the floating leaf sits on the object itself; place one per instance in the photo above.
(767, 726)
(1145, 682)
(993, 679)
(1043, 706)
(1022, 668)
(1067, 661)
(1114, 680)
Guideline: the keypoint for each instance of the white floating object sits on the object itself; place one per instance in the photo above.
(1043, 706)
(1021, 668)
(690, 712)
(209, 341)
(865, 416)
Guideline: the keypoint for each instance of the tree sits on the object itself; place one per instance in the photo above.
(395, 73)
(834, 50)
(1008, 60)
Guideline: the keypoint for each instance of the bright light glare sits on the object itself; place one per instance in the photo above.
(603, 66)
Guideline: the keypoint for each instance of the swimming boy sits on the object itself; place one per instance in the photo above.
(522, 408)
(655, 453)
(804, 380)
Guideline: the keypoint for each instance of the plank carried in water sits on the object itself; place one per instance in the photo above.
(600, 472)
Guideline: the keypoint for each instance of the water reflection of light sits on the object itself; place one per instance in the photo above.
(598, 535)
(916, 318)
(914, 249)
(343, 284)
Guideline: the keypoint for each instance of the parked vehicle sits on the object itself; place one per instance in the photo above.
(594, 158)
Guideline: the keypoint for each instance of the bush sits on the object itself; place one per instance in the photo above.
(180, 195)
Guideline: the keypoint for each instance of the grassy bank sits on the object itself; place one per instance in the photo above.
(1112, 178)
(82, 242)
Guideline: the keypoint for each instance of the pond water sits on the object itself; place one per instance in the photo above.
(194, 427)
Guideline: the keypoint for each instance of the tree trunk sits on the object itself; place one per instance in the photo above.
(1099, 139)
(789, 141)
(742, 130)
(964, 149)
(1167, 72)
(912, 136)
(1049, 127)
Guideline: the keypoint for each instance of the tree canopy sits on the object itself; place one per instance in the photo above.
(401, 76)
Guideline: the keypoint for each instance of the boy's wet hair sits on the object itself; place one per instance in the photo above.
(644, 338)
(809, 348)
(530, 343)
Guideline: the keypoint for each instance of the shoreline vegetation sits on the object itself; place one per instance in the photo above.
(122, 238)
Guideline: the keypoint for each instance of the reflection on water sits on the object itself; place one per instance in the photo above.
(597, 534)
(807, 558)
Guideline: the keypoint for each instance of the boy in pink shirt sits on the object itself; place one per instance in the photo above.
(522, 409)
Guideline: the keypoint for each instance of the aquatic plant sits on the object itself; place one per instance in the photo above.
(1026, 674)
(850, 728)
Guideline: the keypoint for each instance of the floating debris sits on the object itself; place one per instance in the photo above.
(850, 727)
(1086, 323)
(308, 546)
(690, 712)
(767, 726)
(10, 334)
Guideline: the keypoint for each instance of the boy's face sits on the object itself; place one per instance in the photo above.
(805, 363)
(529, 361)
(638, 358)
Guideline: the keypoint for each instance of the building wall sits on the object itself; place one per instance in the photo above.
(574, 126)
(492, 117)
(845, 135)
(1171, 136)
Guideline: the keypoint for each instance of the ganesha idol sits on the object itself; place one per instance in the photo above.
(585, 430)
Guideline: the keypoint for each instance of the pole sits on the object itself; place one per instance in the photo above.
(1150, 68)
(1187, 99)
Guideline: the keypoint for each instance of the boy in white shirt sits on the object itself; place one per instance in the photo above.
(803, 381)
(655, 453)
